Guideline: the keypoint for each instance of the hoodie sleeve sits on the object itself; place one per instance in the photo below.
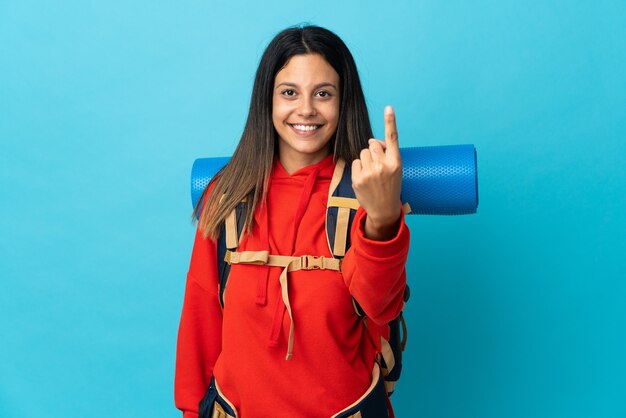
(374, 271)
(200, 330)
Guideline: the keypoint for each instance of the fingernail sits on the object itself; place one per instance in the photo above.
(388, 110)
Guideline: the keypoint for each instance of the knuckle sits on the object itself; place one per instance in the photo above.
(395, 167)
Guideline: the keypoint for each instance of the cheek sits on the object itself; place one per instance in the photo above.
(279, 113)
(276, 118)
(335, 115)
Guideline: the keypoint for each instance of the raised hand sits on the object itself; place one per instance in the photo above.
(377, 181)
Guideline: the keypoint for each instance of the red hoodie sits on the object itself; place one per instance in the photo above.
(244, 345)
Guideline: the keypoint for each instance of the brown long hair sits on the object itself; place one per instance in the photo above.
(247, 174)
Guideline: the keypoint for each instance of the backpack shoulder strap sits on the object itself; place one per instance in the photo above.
(229, 238)
(340, 210)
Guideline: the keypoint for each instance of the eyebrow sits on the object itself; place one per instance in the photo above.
(315, 87)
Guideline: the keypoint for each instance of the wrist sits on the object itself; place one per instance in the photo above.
(382, 229)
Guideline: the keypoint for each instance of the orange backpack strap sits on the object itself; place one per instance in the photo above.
(340, 210)
(229, 238)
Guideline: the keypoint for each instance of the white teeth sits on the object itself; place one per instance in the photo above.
(306, 127)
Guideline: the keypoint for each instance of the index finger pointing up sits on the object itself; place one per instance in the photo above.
(391, 131)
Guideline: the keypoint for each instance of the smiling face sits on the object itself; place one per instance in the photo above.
(305, 110)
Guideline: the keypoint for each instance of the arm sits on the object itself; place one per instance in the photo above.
(199, 334)
(374, 266)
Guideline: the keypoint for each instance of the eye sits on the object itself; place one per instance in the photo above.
(288, 93)
(323, 93)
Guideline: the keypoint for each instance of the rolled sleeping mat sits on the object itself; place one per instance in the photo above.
(439, 180)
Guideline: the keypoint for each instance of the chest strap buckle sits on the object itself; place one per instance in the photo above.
(311, 262)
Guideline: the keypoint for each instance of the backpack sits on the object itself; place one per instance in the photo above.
(341, 209)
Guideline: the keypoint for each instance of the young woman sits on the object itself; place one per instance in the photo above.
(288, 342)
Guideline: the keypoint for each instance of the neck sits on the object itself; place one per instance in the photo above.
(292, 163)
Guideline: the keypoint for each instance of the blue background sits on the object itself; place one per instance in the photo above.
(517, 311)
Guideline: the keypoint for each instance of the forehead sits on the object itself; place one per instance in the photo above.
(307, 69)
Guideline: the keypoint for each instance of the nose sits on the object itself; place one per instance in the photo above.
(307, 107)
